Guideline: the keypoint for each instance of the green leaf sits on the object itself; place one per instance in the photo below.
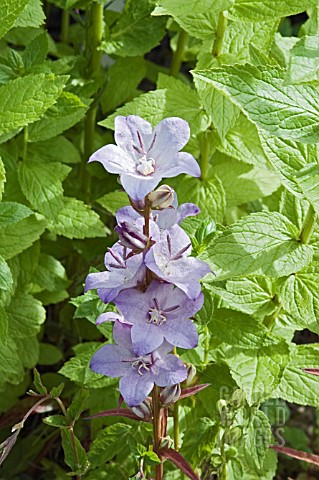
(258, 438)
(28, 350)
(41, 183)
(78, 369)
(49, 354)
(288, 158)
(19, 230)
(304, 60)
(136, 32)
(199, 440)
(299, 296)
(263, 9)
(11, 368)
(113, 201)
(262, 243)
(24, 265)
(258, 371)
(36, 51)
(25, 315)
(50, 274)
(78, 405)
(31, 16)
(76, 461)
(179, 8)
(206, 312)
(209, 195)
(290, 111)
(297, 386)
(109, 442)
(252, 295)
(77, 220)
(175, 99)
(57, 421)
(308, 181)
(38, 382)
(9, 11)
(68, 110)
(6, 280)
(3, 325)
(27, 98)
(57, 149)
(117, 92)
(89, 306)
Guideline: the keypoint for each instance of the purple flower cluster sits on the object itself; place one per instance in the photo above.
(150, 276)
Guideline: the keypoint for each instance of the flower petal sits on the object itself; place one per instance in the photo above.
(187, 210)
(133, 134)
(135, 388)
(109, 317)
(108, 361)
(182, 334)
(114, 159)
(171, 135)
(169, 370)
(146, 338)
(134, 305)
(127, 214)
(138, 187)
(122, 336)
(182, 162)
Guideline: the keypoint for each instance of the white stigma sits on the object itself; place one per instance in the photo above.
(145, 165)
(156, 317)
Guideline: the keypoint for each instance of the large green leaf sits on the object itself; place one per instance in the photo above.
(108, 443)
(11, 368)
(6, 280)
(9, 12)
(179, 8)
(262, 243)
(308, 181)
(31, 16)
(26, 316)
(290, 111)
(26, 99)
(263, 9)
(304, 60)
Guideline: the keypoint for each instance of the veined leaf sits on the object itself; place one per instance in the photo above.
(9, 12)
(304, 60)
(26, 316)
(31, 16)
(261, 9)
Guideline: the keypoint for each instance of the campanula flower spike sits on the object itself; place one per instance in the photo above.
(138, 372)
(142, 157)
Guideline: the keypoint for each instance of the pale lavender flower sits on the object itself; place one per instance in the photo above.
(169, 260)
(139, 372)
(143, 157)
(162, 312)
(123, 272)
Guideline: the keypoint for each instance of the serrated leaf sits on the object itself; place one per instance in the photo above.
(199, 439)
(36, 51)
(208, 194)
(179, 8)
(262, 243)
(26, 99)
(31, 16)
(38, 382)
(41, 184)
(50, 274)
(76, 461)
(26, 316)
(57, 149)
(4, 326)
(6, 280)
(304, 60)
(258, 438)
(290, 111)
(308, 181)
(113, 201)
(20, 230)
(263, 9)
(258, 371)
(77, 220)
(109, 442)
(67, 111)
(11, 368)
(297, 386)
(78, 405)
(136, 32)
(9, 12)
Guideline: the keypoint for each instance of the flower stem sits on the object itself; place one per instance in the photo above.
(176, 426)
(157, 429)
(308, 225)
(94, 36)
(220, 33)
(179, 52)
(65, 22)
(204, 155)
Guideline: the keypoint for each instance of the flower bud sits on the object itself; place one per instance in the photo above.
(161, 198)
(233, 435)
(238, 398)
(143, 410)
(166, 442)
(191, 373)
(131, 237)
(170, 394)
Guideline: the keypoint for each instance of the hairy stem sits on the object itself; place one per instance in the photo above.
(308, 225)
(65, 22)
(157, 429)
(94, 36)
(220, 33)
(178, 54)
(176, 426)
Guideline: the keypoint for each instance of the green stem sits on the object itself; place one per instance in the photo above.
(65, 22)
(179, 53)
(270, 320)
(25, 142)
(157, 429)
(220, 33)
(206, 346)
(176, 426)
(204, 155)
(94, 36)
(308, 225)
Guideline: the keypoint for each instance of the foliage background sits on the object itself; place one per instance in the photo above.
(252, 105)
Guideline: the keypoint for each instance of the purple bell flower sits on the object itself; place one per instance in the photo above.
(139, 372)
(123, 272)
(162, 312)
(143, 157)
(169, 260)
